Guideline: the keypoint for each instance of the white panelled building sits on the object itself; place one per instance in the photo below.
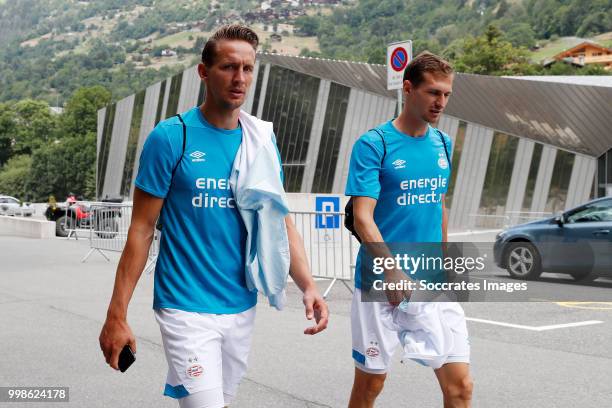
(523, 147)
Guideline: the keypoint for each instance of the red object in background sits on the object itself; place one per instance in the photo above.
(78, 208)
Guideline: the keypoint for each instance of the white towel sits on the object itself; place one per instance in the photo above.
(425, 329)
(261, 201)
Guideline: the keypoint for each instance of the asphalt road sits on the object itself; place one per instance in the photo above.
(52, 308)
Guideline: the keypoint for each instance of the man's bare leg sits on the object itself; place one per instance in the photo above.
(366, 387)
(456, 384)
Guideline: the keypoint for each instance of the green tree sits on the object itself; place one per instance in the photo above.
(521, 35)
(489, 54)
(63, 166)
(15, 179)
(306, 25)
(7, 132)
(90, 184)
(80, 114)
(35, 125)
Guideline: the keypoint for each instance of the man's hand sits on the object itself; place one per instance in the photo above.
(396, 296)
(115, 334)
(315, 306)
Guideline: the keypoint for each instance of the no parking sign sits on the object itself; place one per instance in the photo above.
(399, 55)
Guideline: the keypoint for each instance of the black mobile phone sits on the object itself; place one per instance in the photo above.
(126, 358)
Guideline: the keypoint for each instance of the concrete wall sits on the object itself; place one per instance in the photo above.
(190, 86)
(470, 176)
(581, 181)
(146, 125)
(26, 227)
(520, 173)
(542, 185)
(118, 147)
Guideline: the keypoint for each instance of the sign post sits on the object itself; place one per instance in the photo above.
(399, 54)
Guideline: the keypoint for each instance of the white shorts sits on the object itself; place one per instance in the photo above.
(206, 354)
(374, 344)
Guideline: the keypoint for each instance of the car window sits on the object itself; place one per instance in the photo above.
(596, 212)
(12, 201)
(2, 200)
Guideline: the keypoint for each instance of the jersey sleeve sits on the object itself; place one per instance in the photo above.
(157, 160)
(364, 168)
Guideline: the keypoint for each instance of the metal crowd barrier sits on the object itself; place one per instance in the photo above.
(330, 248)
(108, 231)
(77, 219)
(520, 217)
(508, 219)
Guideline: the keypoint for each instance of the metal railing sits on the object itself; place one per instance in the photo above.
(520, 217)
(76, 220)
(108, 231)
(330, 248)
(508, 219)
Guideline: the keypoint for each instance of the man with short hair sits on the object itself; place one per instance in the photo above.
(202, 302)
(389, 208)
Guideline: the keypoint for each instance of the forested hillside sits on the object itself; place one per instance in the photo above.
(81, 55)
(50, 48)
(361, 32)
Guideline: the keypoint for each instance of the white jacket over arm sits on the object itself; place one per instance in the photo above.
(260, 198)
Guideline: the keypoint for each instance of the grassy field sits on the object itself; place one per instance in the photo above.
(291, 45)
(178, 39)
(158, 62)
(604, 39)
(554, 47)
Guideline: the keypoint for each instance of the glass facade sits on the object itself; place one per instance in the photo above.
(604, 175)
(132, 144)
(609, 173)
(559, 183)
(499, 172)
(290, 104)
(331, 136)
(456, 156)
(258, 83)
(532, 176)
(173, 98)
(107, 133)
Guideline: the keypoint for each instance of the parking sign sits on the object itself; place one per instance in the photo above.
(327, 204)
(399, 55)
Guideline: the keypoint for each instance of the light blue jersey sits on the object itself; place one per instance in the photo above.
(201, 264)
(408, 188)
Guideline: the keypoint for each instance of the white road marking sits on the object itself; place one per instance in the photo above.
(535, 328)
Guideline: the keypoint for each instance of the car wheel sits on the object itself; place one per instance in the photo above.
(62, 225)
(523, 261)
